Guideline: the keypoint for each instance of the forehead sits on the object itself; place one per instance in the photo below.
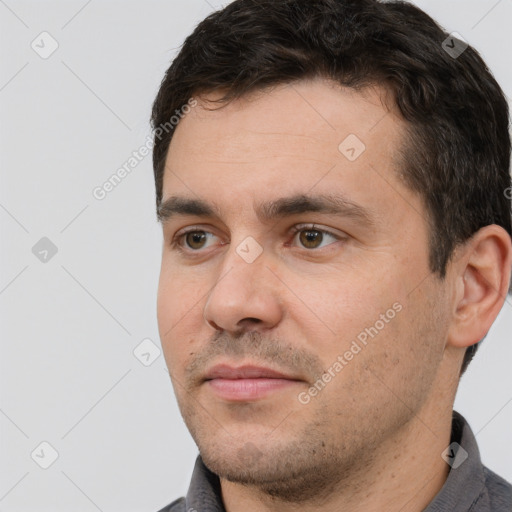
(287, 139)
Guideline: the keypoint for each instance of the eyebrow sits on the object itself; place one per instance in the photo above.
(279, 208)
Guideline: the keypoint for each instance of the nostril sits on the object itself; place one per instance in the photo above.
(248, 321)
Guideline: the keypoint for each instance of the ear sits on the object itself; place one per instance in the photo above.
(482, 278)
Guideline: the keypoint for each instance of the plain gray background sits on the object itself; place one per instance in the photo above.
(70, 324)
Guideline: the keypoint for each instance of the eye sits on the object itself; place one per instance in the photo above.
(311, 237)
(193, 239)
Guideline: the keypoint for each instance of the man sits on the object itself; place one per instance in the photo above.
(333, 184)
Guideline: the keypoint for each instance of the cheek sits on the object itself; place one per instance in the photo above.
(345, 302)
(166, 306)
(180, 300)
(172, 305)
(177, 294)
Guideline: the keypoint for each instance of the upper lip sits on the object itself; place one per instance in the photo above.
(225, 371)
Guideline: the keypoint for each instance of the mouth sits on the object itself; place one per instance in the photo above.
(246, 383)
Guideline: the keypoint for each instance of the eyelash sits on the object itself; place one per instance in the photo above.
(176, 241)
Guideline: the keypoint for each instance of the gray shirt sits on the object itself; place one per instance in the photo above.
(470, 486)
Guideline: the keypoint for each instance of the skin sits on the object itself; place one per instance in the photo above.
(372, 438)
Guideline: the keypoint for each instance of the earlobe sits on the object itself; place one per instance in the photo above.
(483, 277)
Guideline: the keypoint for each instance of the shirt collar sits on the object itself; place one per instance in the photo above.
(204, 493)
(466, 479)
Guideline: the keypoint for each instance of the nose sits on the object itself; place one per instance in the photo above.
(245, 295)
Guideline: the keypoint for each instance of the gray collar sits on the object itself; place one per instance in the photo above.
(465, 484)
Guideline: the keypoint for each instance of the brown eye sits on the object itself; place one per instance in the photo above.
(195, 239)
(311, 238)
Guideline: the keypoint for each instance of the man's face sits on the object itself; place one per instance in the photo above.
(354, 289)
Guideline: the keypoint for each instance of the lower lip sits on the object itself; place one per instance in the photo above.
(247, 389)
